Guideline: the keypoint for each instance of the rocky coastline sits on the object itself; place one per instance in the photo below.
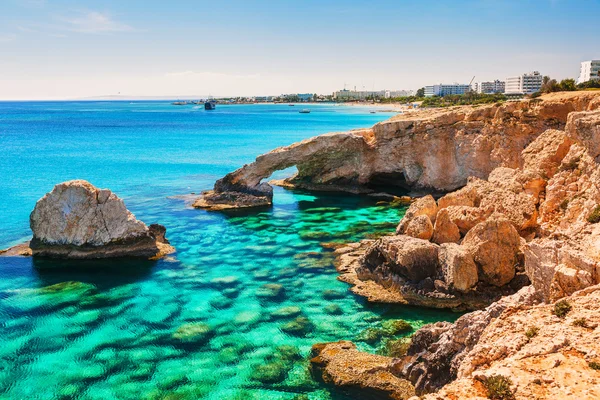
(429, 151)
(512, 234)
(522, 248)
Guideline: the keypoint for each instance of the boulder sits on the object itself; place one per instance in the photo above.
(494, 245)
(466, 196)
(78, 220)
(544, 154)
(420, 227)
(457, 267)
(557, 270)
(411, 258)
(364, 375)
(445, 230)
(584, 128)
(465, 217)
(423, 206)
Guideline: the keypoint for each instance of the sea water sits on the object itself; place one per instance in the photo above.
(233, 314)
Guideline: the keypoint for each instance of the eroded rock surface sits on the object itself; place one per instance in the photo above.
(360, 374)
(78, 220)
(543, 355)
(430, 150)
(539, 222)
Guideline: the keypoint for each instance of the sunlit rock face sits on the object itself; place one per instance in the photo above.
(426, 151)
(78, 220)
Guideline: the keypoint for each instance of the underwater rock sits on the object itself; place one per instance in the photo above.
(193, 333)
(77, 220)
(271, 291)
(278, 365)
(52, 297)
(333, 309)
(246, 318)
(221, 302)
(332, 294)
(300, 326)
(396, 326)
(287, 312)
(225, 281)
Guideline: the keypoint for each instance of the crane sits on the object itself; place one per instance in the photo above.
(470, 83)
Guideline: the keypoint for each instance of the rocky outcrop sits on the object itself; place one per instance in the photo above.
(78, 220)
(468, 141)
(539, 222)
(540, 355)
(437, 351)
(365, 375)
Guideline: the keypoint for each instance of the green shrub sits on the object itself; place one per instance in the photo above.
(498, 387)
(581, 322)
(562, 308)
(594, 365)
(532, 332)
(594, 217)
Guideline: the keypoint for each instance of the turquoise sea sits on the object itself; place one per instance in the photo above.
(231, 315)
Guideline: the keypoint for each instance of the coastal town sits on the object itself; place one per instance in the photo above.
(510, 88)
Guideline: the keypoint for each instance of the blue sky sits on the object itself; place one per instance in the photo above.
(76, 48)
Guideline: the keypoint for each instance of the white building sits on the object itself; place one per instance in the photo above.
(445, 90)
(367, 94)
(398, 93)
(524, 84)
(590, 70)
(491, 87)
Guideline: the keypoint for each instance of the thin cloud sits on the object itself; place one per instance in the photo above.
(26, 29)
(94, 22)
(9, 37)
(209, 74)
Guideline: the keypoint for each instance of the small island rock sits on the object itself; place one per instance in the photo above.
(78, 220)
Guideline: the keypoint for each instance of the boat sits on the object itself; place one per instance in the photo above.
(291, 105)
(210, 105)
(305, 111)
(179, 103)
(372, 112)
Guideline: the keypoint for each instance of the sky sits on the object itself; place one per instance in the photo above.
(69, 49)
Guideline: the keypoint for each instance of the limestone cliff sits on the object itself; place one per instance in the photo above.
(429, 150)
(538, 220)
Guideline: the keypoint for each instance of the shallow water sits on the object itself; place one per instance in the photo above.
(202, 323)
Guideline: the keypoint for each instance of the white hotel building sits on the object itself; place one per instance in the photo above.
(492, 87)
(590, 70)
(445, 90)
(524, 84)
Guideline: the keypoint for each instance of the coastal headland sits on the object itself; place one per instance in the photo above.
(512, 233)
